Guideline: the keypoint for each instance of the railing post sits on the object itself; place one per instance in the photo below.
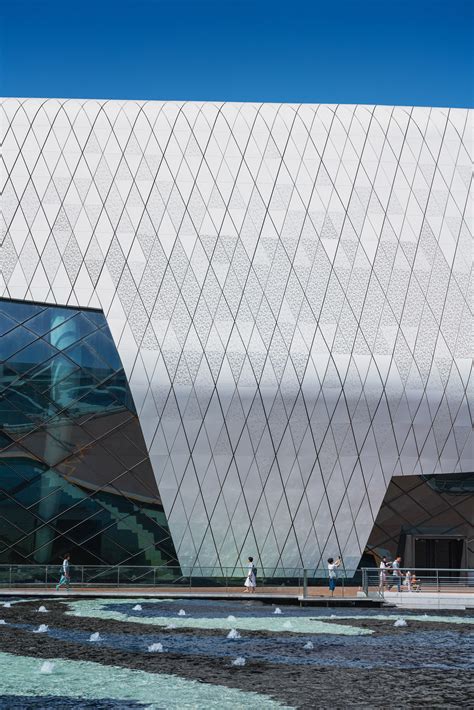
(305, 583)
(437, 580)
(82, 576)
(10, 577)
(46, 576)
(154, 576)
(118, 576)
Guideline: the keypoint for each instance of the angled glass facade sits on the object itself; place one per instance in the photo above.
(75, 475)
(429, 521)
(289, 289)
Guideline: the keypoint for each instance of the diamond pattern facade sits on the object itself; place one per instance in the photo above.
(288, 287)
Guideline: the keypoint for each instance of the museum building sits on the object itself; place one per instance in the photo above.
(231, 329)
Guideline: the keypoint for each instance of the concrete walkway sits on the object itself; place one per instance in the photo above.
(429, 600)
(317, 596)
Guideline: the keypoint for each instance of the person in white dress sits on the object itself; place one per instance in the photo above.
(383, 572)
(251, 579)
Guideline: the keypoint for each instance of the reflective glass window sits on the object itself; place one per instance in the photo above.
(74, 472)
(15, 340)
(6, 324)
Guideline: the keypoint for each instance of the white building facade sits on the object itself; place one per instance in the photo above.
(289, 288)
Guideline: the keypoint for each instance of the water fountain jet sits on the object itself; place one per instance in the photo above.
(42, 629)
(239, 661)
(47, 667)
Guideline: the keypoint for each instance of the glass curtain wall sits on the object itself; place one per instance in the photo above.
(75, 475)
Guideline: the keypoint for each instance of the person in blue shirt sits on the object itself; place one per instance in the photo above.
(65, 576)
(396, 574)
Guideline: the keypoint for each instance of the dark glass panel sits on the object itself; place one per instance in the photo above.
(9, 531)
(48, 375)
(4, 440)
(103, 344)
(47, 499)
(97, 318)
(12, 416)
(29, 401)
(74, 472)
(17, 473)
(94, 466)
(455, 483)
(82, 529)
(67, 387)
(29, 357)
(122, 448)
(15, 340)
(88, 359)
(43, 322)
(17, 517)
(67, 331)
(19, 311)
(65, 509)
(119, 539)
(69, 433)
(139, 483)
(117, 386)
(18, 470)
(106, 398)
(99, 424)
(129, 430)
(45, 447)
(6, 324)
(7, 376)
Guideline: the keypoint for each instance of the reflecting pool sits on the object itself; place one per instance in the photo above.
(191, 653)
(22, 677)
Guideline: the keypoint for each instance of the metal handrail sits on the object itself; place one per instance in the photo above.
(377, 582)
(120, 576)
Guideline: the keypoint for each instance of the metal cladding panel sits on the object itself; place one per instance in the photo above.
(288, 288)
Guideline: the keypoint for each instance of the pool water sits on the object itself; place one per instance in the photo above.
(120, 687)
(114, 654)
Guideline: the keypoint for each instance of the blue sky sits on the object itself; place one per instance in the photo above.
(351, 51)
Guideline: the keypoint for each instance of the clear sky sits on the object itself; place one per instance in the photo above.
(347, 51)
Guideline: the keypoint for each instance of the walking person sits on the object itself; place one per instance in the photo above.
(65, 575)
(332, 573)
(397, 574)
(383, 573)
(251, 579)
